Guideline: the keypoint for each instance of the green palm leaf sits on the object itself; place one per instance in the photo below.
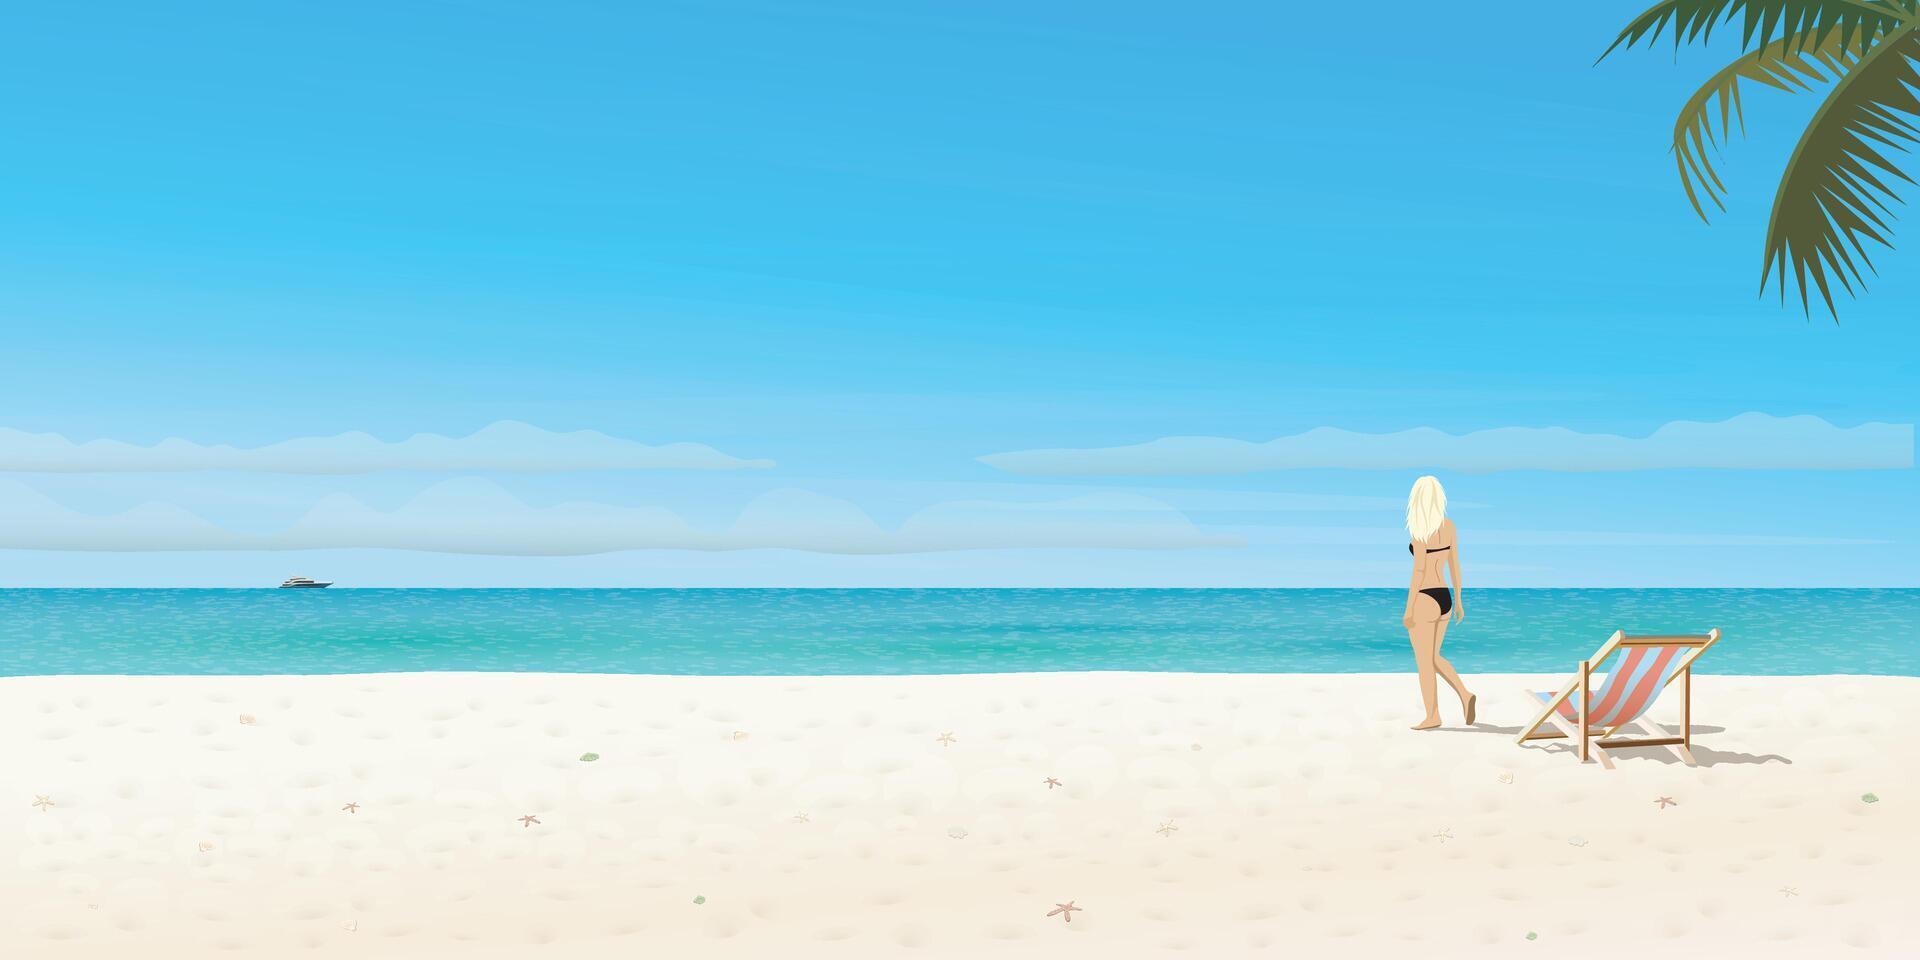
(1778, 65)
(1835, 190)
(1802, 23)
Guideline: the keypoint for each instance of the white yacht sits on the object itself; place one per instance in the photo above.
(304, 582)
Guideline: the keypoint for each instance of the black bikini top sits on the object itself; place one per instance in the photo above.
(1434, 550)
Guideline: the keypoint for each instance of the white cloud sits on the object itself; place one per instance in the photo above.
(473, 516)
(33, 521)
(1750, 441)
(476, 516)
(804, 520)
(1481, 537)
(507, 446)
(1108, 520)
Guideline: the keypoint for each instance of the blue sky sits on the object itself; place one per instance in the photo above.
(875, 242)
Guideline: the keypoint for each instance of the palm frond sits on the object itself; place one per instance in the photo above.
(1835, 191)
(1776, 65)
(1801, 23)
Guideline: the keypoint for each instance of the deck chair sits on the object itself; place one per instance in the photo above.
(1594, 717)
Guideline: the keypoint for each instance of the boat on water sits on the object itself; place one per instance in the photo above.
(293, 582)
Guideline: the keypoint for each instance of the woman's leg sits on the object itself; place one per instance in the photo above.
(1444, 668)
(1421, 636)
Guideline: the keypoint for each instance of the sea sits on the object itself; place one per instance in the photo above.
(931, 631)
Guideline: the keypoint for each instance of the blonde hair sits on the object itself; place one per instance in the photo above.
(1426, 508)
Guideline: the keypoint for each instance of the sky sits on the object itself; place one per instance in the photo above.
(911, 294)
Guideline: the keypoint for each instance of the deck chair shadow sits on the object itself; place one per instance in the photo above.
(1594, 718)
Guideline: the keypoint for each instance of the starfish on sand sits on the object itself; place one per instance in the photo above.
(1444, 835)
(801, 818)
(1666, 802)
(946, 739)
(529, 820)
(351, 808)
(44, 803)
(1065, 910)
(1789, 891)
(1051, 783)
(1166, 829)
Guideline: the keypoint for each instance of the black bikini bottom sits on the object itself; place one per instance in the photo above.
(1441, 596)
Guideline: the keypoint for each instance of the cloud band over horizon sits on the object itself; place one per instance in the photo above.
(1750, 441)
(507, 446)
(475, 516)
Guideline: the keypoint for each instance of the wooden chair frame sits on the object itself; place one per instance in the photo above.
(1596, 745)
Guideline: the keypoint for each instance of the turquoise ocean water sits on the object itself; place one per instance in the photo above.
(760, 632)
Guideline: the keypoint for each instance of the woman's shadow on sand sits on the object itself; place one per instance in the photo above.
(1704, 756)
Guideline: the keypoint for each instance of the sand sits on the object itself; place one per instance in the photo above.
(1198, 815)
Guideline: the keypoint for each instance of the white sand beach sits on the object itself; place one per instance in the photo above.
(1199, 815)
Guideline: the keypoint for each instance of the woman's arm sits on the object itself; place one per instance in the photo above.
(1413, 583)
(1459, 586)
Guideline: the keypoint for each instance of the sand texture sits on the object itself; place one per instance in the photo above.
(1188, 815)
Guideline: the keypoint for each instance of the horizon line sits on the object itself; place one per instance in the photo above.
(1371, 587)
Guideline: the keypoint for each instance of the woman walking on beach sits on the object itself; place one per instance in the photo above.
(1430, 605)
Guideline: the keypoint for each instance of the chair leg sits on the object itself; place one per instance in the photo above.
(1565, 728)
(1594, 750)
(1677, 749)
(1544, 716)
(1600, 754)
(1586, 705)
